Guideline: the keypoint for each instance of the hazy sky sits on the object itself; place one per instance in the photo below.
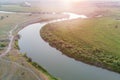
(70, 0)
(59, 0)
(66, 1)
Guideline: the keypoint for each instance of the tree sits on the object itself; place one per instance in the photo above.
(29, 59)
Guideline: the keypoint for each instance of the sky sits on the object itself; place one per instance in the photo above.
(57, 0)
(63, 1)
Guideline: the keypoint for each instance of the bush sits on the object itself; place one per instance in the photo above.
(2, 45)
(16, 45)
(29, 59)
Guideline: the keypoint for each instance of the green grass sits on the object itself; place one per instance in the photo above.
(95, 41)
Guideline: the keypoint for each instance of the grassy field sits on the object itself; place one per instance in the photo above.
(18, 8)
(7, 22)
(94, 40)
(7, 67)
(80, 8)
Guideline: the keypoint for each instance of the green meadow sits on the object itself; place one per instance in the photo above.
(95, 41)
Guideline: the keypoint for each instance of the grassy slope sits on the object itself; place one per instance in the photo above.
(95, 41)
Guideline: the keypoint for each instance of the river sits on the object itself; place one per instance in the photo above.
(54, 61)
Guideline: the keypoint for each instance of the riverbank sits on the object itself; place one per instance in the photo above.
(84, 41)
(36, 65)
(44, 74)
(15, 57)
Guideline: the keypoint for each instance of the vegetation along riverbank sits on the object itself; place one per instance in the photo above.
(43, 73)
(94, 40)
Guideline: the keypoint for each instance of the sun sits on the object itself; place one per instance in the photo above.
(73, 0)
(69, 3)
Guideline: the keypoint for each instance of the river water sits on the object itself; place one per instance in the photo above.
(54, 61)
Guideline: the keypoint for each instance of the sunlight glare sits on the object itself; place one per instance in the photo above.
(72, 0)
(68, 3)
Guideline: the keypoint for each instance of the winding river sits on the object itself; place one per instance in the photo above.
(54, 61)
